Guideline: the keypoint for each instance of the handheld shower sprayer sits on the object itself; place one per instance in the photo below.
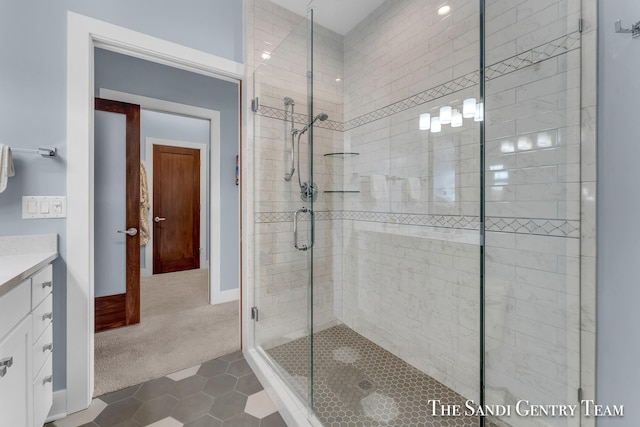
(308, 190)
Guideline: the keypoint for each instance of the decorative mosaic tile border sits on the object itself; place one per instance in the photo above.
(439, 221)
(525, 59)
(302, 119)
(455, 85)
(534, 56)
(540, 227)
(535, 226)
(269, 217)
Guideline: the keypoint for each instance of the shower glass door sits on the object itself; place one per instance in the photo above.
(283, 206)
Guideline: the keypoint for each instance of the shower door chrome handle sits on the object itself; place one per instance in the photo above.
(295, 229)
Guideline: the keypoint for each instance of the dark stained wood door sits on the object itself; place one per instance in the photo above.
(119, 310)
(176, 209)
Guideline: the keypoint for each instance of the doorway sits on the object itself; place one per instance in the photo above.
(175, 304)
(83, 35)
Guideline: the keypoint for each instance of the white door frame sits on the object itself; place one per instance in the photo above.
(83, 35)
(204, 210)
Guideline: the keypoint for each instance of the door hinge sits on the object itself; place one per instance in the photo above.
(580, 22)
(254, 313)
(254, 104)
(580, 394)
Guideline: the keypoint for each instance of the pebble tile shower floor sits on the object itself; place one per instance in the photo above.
(357, 383)
(223, 392)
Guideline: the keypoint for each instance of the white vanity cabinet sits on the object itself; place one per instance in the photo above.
(42, 342)
(26, 346)
(16, 372)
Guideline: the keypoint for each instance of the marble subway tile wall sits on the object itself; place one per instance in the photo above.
(411, 236)
(398, 259)
(417, 297)
(533, 177)
(533, 211)
(280, 52)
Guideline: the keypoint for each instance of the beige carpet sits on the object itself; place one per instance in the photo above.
(178, 329)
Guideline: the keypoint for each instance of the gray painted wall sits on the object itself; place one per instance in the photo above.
(33, 98)
(126, 74)
(618, 316)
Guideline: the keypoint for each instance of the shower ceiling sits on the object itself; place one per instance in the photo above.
(337, 15)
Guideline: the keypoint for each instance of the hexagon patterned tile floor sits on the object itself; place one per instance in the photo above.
(358, 383)
(223, 392)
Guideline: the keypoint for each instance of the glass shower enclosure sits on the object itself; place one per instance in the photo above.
(416, 211)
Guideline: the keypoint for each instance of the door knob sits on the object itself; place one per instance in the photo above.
(130, 231)
(158, 219)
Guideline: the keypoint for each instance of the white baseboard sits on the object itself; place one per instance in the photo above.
(220, 297)
(59, 406)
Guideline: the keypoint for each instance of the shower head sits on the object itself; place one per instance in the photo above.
(322, 117)
(288, 101)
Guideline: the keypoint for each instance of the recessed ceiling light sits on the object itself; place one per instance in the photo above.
(338, 79)
(266, 55)
(444, 10)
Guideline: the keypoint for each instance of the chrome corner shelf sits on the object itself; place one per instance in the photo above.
(342, 155)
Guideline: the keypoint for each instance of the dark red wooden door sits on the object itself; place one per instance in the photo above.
(176, 209)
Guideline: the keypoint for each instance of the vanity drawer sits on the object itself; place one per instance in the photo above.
(42, 349)
(42, 317)
(14, 306)
(43, 393)
(41, 285)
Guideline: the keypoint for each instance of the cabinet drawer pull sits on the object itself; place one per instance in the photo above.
(47, 347)
(47, 316)
(47, 379)
(4, 365)
(48, 284)
(7, 361)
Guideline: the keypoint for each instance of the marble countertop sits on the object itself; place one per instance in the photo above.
(22, 256)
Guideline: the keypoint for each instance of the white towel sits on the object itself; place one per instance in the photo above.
(6, 166)
(379, 187)
(413, 185)
(144, 206)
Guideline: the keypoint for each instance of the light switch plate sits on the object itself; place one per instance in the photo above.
(44, 207)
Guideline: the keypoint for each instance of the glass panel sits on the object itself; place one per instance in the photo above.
(109, 203)
(532, 285)
(397, 286)
(408, 305)
(282, 272)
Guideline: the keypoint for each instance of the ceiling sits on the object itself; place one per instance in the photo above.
(337, 15)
